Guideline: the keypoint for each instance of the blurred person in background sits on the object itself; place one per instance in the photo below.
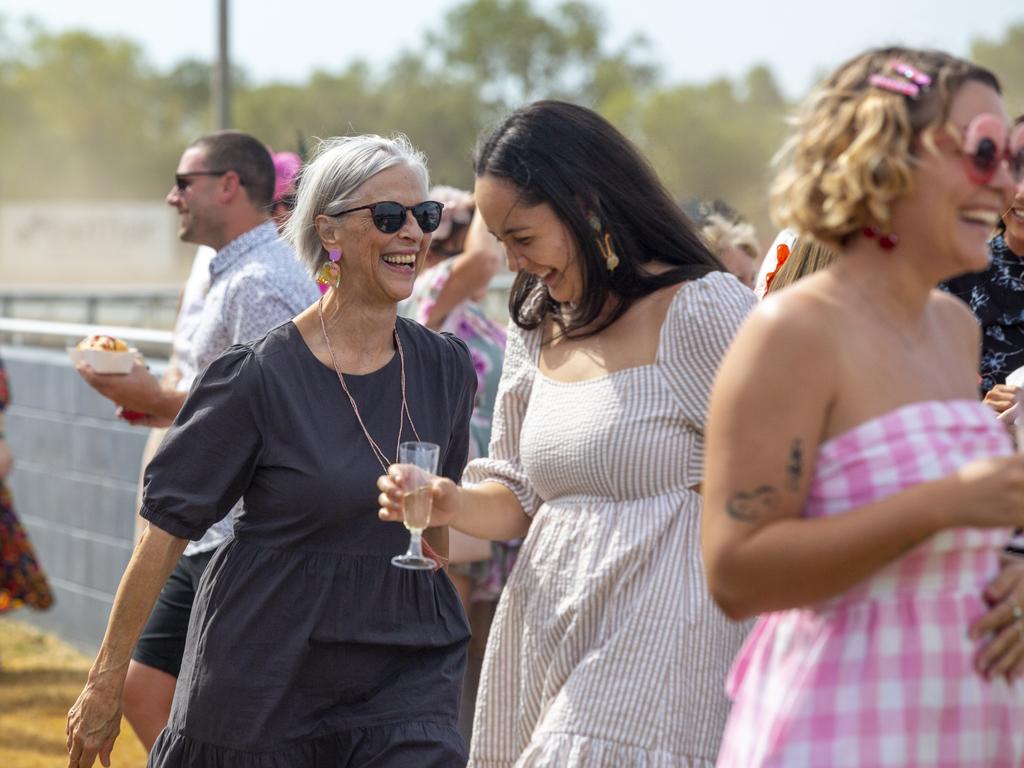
(731, 238)
(996, 297)
(462, 259)
(22, 581)
(606, 649)
(306, 645)
(805, 257)
(252, 282)
(287, 166)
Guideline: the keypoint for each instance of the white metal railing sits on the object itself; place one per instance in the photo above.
(145, 306)
(20, 331)
(54, 334)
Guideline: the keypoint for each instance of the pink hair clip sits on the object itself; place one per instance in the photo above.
(914, 75)
(896, 86)
(909, 83)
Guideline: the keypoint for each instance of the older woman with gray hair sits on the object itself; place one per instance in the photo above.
(306, 646)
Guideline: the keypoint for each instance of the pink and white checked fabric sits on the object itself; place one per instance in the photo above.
(882, 675)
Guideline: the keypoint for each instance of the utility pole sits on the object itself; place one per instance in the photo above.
(222, 69)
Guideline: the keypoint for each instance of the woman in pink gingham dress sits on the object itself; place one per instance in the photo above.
(842, 683)
(862, 509)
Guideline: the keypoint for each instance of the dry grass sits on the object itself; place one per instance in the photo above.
(40, 678)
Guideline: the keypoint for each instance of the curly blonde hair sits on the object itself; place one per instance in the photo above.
(721, 233)
(852, 152)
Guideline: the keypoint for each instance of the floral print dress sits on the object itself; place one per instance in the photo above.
(21, 580)
(486, 342)
(996, 296)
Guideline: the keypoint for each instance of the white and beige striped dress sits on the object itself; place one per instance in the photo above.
(606, 649)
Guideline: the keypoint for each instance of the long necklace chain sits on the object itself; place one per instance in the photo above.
(403, 411)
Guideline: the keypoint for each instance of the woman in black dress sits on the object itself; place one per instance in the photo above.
(306, 646)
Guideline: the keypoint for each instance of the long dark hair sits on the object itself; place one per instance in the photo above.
(575, 161)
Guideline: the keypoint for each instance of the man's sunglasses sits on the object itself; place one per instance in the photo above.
(389, 216)
(985, 144)
(182, 180)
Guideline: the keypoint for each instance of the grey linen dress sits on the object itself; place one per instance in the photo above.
(606, 649)
(306, 646)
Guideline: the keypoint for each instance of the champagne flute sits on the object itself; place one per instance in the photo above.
(418, 462)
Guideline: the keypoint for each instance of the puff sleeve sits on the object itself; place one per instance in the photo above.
(460, 365)
(503, 464)
(210, 454)
(704, 318)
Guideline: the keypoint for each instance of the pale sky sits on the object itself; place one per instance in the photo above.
(693, 41)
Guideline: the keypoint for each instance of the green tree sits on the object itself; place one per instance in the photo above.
(713, 141)
(1006, 59)
(88, 125)
(88, 117)
(517, 55)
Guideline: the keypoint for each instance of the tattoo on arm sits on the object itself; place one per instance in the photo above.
(751, 506)
(795, 466)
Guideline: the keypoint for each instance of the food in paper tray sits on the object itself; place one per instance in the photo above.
(101, 341)
(104, 354)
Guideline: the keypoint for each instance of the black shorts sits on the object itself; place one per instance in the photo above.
(163, 640)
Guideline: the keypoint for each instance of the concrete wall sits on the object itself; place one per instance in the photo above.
(74, 487)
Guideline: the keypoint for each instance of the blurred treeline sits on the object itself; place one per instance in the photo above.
(84, 117)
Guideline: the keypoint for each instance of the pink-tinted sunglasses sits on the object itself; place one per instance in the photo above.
(986, 143)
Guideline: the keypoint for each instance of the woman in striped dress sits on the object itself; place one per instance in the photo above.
(863, 511)
(606, 649)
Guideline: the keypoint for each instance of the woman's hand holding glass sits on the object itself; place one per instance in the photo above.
(393, 486)
(416, 472)
(497, 514)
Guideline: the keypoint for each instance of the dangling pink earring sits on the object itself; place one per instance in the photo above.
(329, 274)
(886, 242)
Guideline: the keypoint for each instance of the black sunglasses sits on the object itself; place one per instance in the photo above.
(182, 180)
(389, 216)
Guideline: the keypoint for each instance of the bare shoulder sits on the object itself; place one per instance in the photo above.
(787, 353)
(955, 318)
(951, 307)
(801, 321)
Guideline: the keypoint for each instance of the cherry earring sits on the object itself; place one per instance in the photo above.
(886, 242)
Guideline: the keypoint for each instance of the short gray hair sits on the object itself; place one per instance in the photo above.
(329, 182)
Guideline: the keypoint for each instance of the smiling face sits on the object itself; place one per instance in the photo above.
(198, 210)
(948, 214)
(379, 267)
(1014, 221)
(536, 240)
